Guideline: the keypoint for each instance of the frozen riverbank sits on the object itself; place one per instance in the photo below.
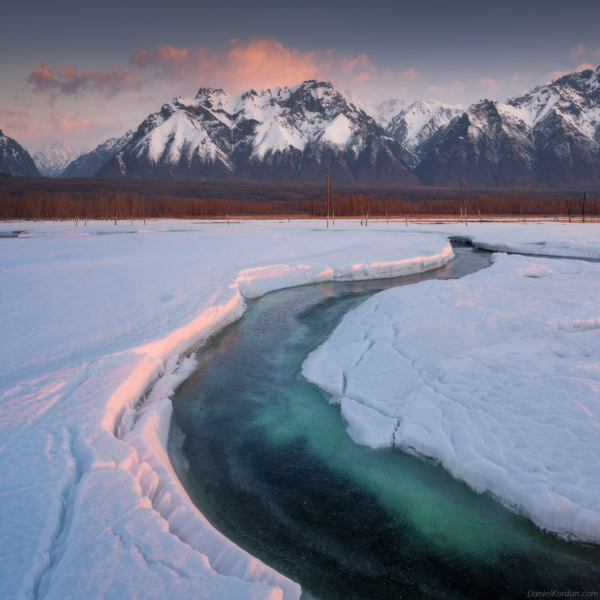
(90, 318)
(496, 376)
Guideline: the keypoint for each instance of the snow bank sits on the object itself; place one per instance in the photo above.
(496, 376)
(146, 430)
(89, 323)
(254, 283)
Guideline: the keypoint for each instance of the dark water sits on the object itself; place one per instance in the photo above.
(268, 462)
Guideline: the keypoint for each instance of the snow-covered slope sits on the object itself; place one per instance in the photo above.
(388, 109)
(549, 137)
(565, 117)
(279, 134)
(89, 505)
(488, 146)
(14, 159)
(51, 160)
(418, 127)
(364, 105)
(87, 165)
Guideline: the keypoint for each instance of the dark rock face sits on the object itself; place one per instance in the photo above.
(549, 137)
(87, 165)
(419, 127)
(279, 135)
(565, 158)
(487, 147)
(15, 160)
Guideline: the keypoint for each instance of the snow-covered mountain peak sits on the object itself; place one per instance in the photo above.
(51, 160)
(549, 136)
(351, 98)
(282, 133)
(419, 125)
(87, 165)
(388, 109)
(573, 99)
(206, 92)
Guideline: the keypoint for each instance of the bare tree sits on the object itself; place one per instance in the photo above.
(462, 193)
(114, 188)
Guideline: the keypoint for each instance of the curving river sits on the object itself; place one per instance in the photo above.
(267, 460)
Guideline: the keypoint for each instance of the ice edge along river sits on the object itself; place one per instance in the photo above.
(145, 427)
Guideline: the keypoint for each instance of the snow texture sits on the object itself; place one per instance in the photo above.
(495, 375)
(94, 317)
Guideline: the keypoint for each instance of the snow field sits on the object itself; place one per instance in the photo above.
(496, 376)
(91, 318)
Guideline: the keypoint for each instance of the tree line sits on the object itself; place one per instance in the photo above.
(101, 206)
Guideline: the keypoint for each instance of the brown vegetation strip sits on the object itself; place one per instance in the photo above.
(103, 206)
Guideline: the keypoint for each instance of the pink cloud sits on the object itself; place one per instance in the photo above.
(265, 64)
(577, 51)
(350, 64)
(556, 75)
(260, 63)
(362, 64)
(597, 53)
(490, 83)
(25, 127)
(65, 123)
(584, 67)
(447, 92)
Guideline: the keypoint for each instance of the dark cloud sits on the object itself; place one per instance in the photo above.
(67, 81)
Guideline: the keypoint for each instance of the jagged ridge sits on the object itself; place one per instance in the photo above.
(14, 159)
(279, 135)
(87, 165)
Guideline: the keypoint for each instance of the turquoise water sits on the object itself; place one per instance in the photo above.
(269, 463)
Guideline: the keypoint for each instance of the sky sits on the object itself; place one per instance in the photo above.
(80, 72)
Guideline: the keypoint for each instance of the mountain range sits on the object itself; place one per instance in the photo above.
(549, 137)
(546, 138)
